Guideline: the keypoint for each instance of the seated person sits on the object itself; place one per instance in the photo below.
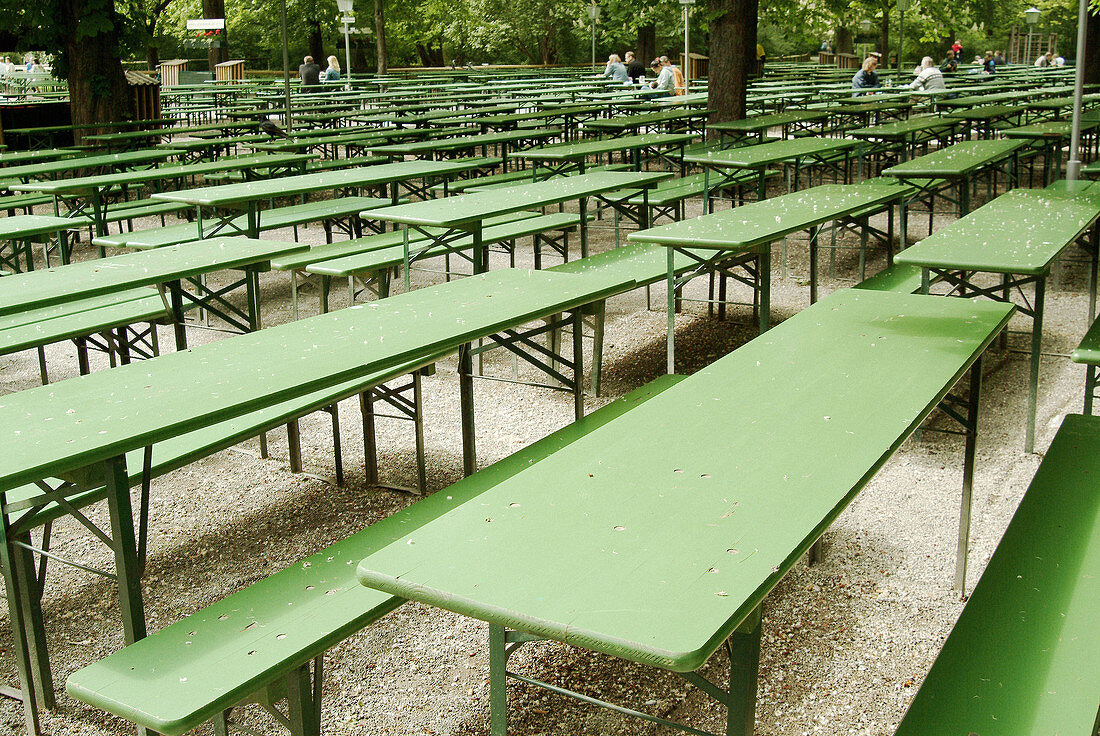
(866, 78)
(950, 64)
(929, 76)
(666, 81)
(615, 69)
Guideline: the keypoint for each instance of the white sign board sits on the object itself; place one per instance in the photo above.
(206, 24)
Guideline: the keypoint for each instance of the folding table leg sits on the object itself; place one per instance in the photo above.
(124, 542)
(19, 633)
(498, 681)
(1036, 357)
(743, 648)
(971, 430)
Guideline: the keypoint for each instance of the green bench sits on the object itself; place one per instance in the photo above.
(328, 211)
(297, 263)
(378, 263)
(1024, 656)
(109, 316)
(258, 644)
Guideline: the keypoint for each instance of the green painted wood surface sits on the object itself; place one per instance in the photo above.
(901, 129)
(758, 223)
(461, 142)
(1023, 658)
(583, 149)
(231, 163)
(37, 328)
(465, 209)
(295, 214)
(52, 168)
(757, 123)
(1020, 232)
(1049, 129)
(71, 424)
(30, 226)
(84, 279)
(956, 160)
(655, 536)
(184, 674)
(764, 154)
(366, 176)
(988, 112)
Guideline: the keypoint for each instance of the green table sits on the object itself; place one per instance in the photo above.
(503, 142)
(102, 163)
(987, 118)
(170, 269)
(223, 203)
(18, 232)
(439, 221)
(746, 233)
(796, 153)
(656, 537)
(810, 122)
(80, 430)
(92, 195)
(47, 154)
(692, 121)
(906, 135)
(566, 158)
(959, 164)
(1051, 135)
(1016, 237)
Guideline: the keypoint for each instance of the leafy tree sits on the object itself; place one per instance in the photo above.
(87, 36)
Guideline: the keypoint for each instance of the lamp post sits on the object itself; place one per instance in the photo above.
(1031, 15)
(287, 122)
(345, 7)
(686, 5)
(594, 15)
(903, 5)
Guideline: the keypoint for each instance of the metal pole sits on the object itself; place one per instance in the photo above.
(687, 53)
(1073, 168)
(901, 41)
(347, 56)
(287, 122)
(593, 19)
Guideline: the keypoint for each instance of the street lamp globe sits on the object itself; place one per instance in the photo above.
(1031, 15)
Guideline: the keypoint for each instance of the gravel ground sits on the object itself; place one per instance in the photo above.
(846, 641)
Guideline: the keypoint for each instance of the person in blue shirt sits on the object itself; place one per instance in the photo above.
(615, 69)
(989, 66)
(865, 78)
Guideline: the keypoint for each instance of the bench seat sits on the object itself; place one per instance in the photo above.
(629, 266)
(272, 219)
(486, 183)
(191, 671)
(1024, 656)
(37, 327)
(184, 449)
(392, 256)
(330, 251)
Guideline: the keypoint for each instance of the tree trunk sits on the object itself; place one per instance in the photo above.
(152, 53)
(732, 57)
(316, 43)
(844, 41)
(1092, 50)
(98, 91)
(884, 37)
(380, 36)
(216, 54)
(646, 47)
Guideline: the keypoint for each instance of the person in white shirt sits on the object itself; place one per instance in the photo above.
(1045, 59)
(666, 80)
(6, 66)
(929, 76)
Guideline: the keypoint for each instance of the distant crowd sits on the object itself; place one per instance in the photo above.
(929, 76)
(29, 64)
